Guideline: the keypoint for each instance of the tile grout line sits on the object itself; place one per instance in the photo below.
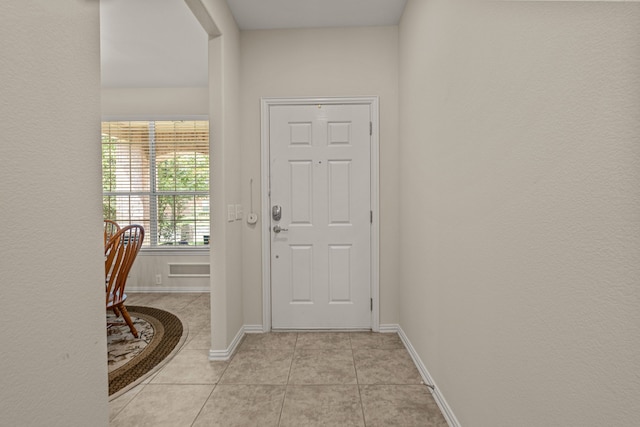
(359, 346)
(142, 387)
(353, 355)
(204, 404)
(154, 302)
(215, 385)
(286, 385)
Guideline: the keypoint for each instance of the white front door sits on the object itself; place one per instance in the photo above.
(320, 182)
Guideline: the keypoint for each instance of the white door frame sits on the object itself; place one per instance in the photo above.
(372, 102)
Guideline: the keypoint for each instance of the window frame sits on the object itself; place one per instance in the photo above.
(171, 250)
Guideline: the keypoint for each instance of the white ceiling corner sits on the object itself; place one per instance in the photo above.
(160, 43)
(151, 43)
(274, 14)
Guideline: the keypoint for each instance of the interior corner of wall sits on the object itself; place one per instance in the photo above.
(204, 17)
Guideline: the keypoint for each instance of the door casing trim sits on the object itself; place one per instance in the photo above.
(265, 103)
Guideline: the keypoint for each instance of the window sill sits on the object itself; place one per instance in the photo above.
(176, 251)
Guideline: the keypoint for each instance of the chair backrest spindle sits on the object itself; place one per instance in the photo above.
(110, 229)
(120, 253)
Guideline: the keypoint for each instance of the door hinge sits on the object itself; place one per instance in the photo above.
(371, 299)
(370, 128)
(371, 217)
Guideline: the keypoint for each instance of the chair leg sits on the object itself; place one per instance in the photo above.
(127, 319)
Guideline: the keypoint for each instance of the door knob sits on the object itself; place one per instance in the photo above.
(277, 229)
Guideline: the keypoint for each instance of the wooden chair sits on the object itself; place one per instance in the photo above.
(120, 253)
(110, 228)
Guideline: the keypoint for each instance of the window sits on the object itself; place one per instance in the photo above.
(156, 173)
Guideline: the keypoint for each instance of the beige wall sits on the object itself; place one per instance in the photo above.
(148, 265)
(158, 104)
(220, 102)
(54, 359)
(321, 62)
(520, 234)
(155, 103)
(226, 246)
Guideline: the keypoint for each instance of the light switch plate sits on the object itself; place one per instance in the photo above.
(231, 213)
(239, 212)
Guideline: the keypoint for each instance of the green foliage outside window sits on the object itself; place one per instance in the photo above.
(157, 174)
(108, 175)
(186, 172)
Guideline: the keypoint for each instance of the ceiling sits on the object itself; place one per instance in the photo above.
(159, 43)
(151, 43)
(272, 14)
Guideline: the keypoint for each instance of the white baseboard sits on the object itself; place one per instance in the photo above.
(389, 328)
(228, 352)
(426, 377)
(384, 328)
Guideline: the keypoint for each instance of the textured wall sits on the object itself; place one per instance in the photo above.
(54, 360)
(158, 103)
(226, 245)
(520, 238)
(321, 62)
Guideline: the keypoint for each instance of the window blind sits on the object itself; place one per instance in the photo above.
(156, 173)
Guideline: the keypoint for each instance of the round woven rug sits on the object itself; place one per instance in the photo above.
(132, 360)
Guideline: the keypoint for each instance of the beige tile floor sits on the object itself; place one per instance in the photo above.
(278, 379)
